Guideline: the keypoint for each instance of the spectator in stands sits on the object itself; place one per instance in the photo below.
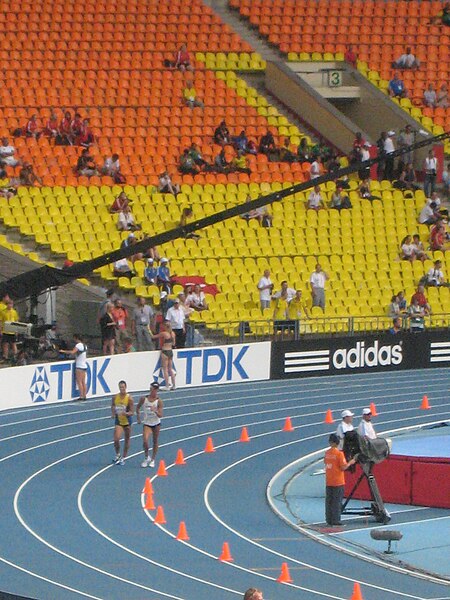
(394, 307)
(304, 151)
(196, 299)
(364, 173)
(102, 308)
(267, 146)
(221, 163)
(435, 276)
(446, 179)
(422, 301)
(339, 200)
(407, 61)
(350, 57)
(222, 135)
(286, 154)
(317, 280)
(176, 317)
(52, 128)
(389, 149)
(86, 137)
(442, 97)
(9, 313)
(183, 60)
(86, 166)
(296, 308)
(364, 191)
(315, 200)
(129, 242)
(438, 237)
(151, 272)
(265, 287)
(122, 268)
(240, 142)
(407, 251)
(190, 96)
(120, 316)
(401, 301)
(76, 127)
(416, 316)
(419, 249)
(187, 309)
(120, 203)
(142, 323)
(187, 165)
(65, 137)
(396, 326)
(406, 139)
(430, 167)
(197, 157)
(253, 594)
(32, 128)
(430, 96)
(108, 330)
(408, 178)
(27, 176)
(429, 214)
(261, 214)
(126, 221)
(7, 152)
(280, 310)
(442, 211)
(240, 163)
(166, 185)
(315, 168)
(111, 166)
(359, 141)
(396, 87)
(163, 275)
(285, 290)
(187, 214)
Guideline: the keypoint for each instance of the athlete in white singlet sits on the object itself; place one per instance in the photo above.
(152, 411)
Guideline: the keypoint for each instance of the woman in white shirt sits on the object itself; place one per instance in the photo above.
(152, 407)
(80, 353)
(407, 249)
(196, 299)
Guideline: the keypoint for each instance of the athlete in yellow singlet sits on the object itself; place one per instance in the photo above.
(122, 408)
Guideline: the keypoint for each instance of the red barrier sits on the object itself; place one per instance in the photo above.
(431, 484)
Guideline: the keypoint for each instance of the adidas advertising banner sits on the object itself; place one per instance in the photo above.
(55, 382)
(335, 356)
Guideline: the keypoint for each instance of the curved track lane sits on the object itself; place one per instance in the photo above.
(73, 526)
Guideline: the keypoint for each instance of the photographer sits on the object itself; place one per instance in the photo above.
(335, 465)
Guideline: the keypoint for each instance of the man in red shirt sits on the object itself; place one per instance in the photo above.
(335, 465)
(86, 137)
(350, 57)
(419, 295)
(31, 129)
(65, 129)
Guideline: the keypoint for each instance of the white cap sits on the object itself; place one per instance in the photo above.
(131, 235)
(164, 260)
(150, 261)
(367, 145)
(347, 413)
(391, 132)
(366, 411)
(163, 295)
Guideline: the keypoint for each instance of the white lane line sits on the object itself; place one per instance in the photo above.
(399, 525)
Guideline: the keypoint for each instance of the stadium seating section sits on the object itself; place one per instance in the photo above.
(107, 59)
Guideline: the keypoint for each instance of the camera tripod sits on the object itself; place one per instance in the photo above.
(377, 506)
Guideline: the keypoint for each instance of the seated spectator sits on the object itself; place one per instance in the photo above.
(187, 165)
(442, 97)
(76, 127)
(52, 128)
(163, 278)
(338, 200)
(261, 214)
(222, 135)
(252, 148)
(196, 155)
(421, 299)
(315, 170)
(315, 201)
(364, 191)
(394, 307)
(407, 61)
(286, 155)
(32, 129)
(396, 326)
(126, 221)
(416, 316)
(240, 163)
(409, 178)
(151, 272)
(435, 276)
(407, 249)
(86, 166)
(86, 136)
(401, 301)
(190, 96)
(304, 151)
(441, 210)
(65, 137)
(111, 168)
(240, 142)
(7, 152)
(183, 60)
(166, 186)
(221, 163)
(120, 203)
(122, 268)
(350, 57)
(27, 176)
(446, 178)
(429, 214)
(187, 214)
(438, 237)
(197, 299)
(267, 145)
(419, 249)
(430, 97)
(396, 88)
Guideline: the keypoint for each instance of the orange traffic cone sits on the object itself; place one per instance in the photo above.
(148, 488)
(425, 404)
(329, 417)
(180, 458)
(209, 445)
(162, 469)
(160, 518)
(373, 410)
(226, 554)
(288, 425)
(285, 576)
(244, 435)
(356, 592)
(182, 533)
(149, 504)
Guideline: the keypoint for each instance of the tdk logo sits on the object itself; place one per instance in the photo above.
(372, 356)
(215, 364)
(40, 387)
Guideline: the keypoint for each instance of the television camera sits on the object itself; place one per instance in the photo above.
(367, 454)
(36, 340)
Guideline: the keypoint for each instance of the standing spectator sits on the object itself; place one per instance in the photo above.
(416, 316)
(188, 309)
(394, 307)
(389, 149)
(108, 329)
(364, 172)
(151, 272)
(280, 310)
(126, 221)
(315, 168)
(396, 87)
(183, 60)
(407, 61)
(86, 166)
(52, 128)
(365, 427)
(222, 135)
(176, 317)
(190, 96)
(196, 299)
(166, 186)
(315, 200)
(430, 169)
(422, 301)
(7, 153)
(335, 465)
(419, 249)
(265, 287)
(163, 275)
(430, 97)
(405, 140)
(120, 316)
(9, 313)
(296, 308)
(285, 290)
(120, 204)
(407, 249)
(102, 309)
(32, 128)
(350, 57)
(318, 279)
(142, 324)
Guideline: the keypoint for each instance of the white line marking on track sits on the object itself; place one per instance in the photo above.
(400, 525)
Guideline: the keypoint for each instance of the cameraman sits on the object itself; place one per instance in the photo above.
(335, 465)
